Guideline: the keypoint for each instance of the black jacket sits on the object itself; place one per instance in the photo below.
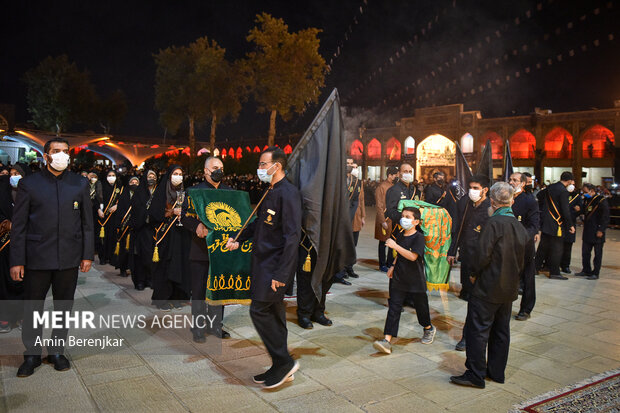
(399, 191)
(198, 251)
(574, 201)
(555, 209)
(469, 223)
(354, 188)
(596, 218)
(52, 222)
(499, 260)
(277, 233)
(526, 211)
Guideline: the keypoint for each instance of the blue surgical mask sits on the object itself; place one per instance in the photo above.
(263, 175)
(14, 179)
(406, 223)
(587, 195)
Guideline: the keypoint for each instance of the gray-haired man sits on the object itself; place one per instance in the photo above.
(501, 249)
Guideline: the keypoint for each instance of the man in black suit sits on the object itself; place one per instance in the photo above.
(51, 237)
(525, 209)
(199, 255)
(500, 253)
(277, 233)
(595, 222)
(555, 214)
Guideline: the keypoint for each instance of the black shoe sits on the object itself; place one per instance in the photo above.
(305, 323)
(59, 361)
(281, 375)
(522, 316)
(342, 281)
(322, 320)
(199, 336)
(383, 268)
(557, 277)
(460, 346)
(581, 274)
(124, 274)
(223, 334)
(352, 274)
(140, 286)
(465, 380)
(592, 277)
(148, 285)
(495, 380)
(566, 270)
(27, 368)
(520, 291)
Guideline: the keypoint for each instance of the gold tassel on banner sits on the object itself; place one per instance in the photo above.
(394, 253)
(117, 250)
(307, 264)
(559, 230)
(102, 233)
(127, 243)
(156, 254)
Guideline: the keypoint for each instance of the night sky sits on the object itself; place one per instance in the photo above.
(506, 72)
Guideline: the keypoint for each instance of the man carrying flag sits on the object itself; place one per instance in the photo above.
(276, 233)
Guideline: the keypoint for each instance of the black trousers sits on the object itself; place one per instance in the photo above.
(36, 285)
(141, 273)
(385, 259)
(528, 299)
(395, 305)
(466, 272)
(269, 319)
(566, 254)
(164, 290)
(308, 305)
(586, 257)
(200, 272)
(550, 252)
(487, 324)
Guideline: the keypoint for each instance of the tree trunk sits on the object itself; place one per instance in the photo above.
(213, 126)
(192, 139)
(272, 128)
(58, 129)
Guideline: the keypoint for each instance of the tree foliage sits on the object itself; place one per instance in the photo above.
(59, 95)
(195, 83)
(287, 69)
(111, 110)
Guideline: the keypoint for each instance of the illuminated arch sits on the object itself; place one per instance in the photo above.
(522, 144)
(409, 145)
(203, 151)
(248, 149)
(288, 149)
(373, 149)
(434, 151)
(357, 149)
(467, 143)
(239, 153)
(598, 142)
(256, 149)
(497, 144)
(393, 149)
(266, 147)
(558, 144)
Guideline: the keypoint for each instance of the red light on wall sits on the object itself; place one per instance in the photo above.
(374, 149)
(288, 149)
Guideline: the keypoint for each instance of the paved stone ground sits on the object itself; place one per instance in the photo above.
(574, 333)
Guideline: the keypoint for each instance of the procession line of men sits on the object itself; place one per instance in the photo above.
(53, 233)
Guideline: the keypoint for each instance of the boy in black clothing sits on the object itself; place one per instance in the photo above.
(407, 279)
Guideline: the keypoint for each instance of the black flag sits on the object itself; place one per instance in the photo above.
(462, 172)
(508, 168)
(485, 167)
(317, 166)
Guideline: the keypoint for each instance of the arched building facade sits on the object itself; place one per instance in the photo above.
(542, 143)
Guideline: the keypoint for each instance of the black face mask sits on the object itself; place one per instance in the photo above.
(440, 182)
(528, 188)
(133, 187)
(151, 182)
(349, 168)
(217, 175)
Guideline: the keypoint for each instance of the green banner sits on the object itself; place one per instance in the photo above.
(223, 212)
(436, 224)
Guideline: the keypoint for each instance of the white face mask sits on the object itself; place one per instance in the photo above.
(406, 223)
(518, 189)
(14, 180)
(176, 180)
(264, 176)
(60, 161)
(407, 178)
(355, 172)
(475, 194)
(93, 180)
(111, 180)
(570, 188)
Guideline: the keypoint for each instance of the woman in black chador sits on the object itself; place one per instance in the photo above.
(124, 231)
(171, 280)
(112, 189)
(142, 241)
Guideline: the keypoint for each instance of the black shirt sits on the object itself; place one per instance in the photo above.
(409, 275)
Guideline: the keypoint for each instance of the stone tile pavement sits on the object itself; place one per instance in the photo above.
(573, 334)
